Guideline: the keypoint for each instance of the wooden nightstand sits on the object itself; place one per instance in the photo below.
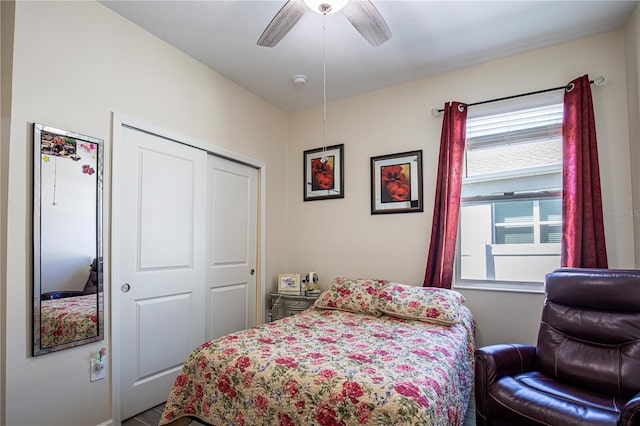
(285, 304)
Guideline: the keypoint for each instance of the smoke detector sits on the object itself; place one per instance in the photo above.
(299, 80)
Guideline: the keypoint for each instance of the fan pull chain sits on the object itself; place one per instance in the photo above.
(324, 89)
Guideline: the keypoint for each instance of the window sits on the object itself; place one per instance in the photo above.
(534, 221)
(511, 206)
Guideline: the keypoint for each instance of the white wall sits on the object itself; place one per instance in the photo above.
(74, 64)
(341, 237)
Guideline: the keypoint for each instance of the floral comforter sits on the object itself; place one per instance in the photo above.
(68, 319)
(330, 367)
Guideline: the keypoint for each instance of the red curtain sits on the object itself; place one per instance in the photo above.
(446, 207)
(583, 244)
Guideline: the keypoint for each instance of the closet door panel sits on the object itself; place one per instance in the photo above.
(165, 211)
(228, 310)
(159, 252)
(231, 246)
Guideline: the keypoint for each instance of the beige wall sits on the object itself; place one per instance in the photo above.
(74, 64)
(632, 51)
(341, 237)
(6, 53)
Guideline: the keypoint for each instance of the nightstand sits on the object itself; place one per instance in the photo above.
(287, 304)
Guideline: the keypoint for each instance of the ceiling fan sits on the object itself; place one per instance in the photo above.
(362, 14)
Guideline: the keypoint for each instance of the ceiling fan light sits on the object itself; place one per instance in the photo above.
(320, 6)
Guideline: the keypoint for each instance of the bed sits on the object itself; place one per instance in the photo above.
(369, 352)
(68, 319)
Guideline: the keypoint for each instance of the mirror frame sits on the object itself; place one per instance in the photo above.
(37, 278)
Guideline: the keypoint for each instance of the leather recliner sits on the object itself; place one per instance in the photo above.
(585, 368)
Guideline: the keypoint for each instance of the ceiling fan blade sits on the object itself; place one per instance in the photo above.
(364, 16)
(282, 23)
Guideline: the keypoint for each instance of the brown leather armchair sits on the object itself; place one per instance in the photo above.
(585, 368)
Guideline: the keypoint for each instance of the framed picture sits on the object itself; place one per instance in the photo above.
(289, 283)
(324, 173)
(396, 183)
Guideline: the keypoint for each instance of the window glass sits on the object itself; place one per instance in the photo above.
(511, 207)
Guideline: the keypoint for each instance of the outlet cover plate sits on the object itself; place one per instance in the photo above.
(98, 370)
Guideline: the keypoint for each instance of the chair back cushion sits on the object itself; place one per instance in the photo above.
(590, 330)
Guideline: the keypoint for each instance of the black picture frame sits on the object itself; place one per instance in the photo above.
(396, 183)
(324, 179)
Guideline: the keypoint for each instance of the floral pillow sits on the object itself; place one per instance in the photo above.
(436, 305)
(352, 295)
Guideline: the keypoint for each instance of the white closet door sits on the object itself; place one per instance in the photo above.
(160, 241)
(231, 246)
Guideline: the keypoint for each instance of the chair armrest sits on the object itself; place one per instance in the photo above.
(493, 362)
(505, 360)
(631, 412)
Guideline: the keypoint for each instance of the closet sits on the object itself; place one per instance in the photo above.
(184, 243)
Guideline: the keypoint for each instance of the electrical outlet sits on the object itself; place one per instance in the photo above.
(98, 370)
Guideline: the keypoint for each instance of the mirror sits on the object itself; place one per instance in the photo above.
(68, 298)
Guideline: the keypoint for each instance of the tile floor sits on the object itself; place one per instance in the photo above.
(150, 418)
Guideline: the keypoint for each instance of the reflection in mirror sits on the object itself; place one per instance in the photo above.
(67, 240)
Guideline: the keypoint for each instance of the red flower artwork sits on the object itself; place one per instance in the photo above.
(322, 173)
(395, 183)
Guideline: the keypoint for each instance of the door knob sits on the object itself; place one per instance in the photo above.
(253, 271)
(125, 287)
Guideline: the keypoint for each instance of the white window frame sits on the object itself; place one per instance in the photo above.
(499, 285)
(537, 248)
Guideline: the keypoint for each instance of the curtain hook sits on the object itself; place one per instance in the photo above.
(570, 87)
(461, 107)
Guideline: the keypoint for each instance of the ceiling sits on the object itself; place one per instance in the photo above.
(429, 37)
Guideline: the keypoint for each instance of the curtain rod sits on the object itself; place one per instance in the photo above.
(598, 81)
